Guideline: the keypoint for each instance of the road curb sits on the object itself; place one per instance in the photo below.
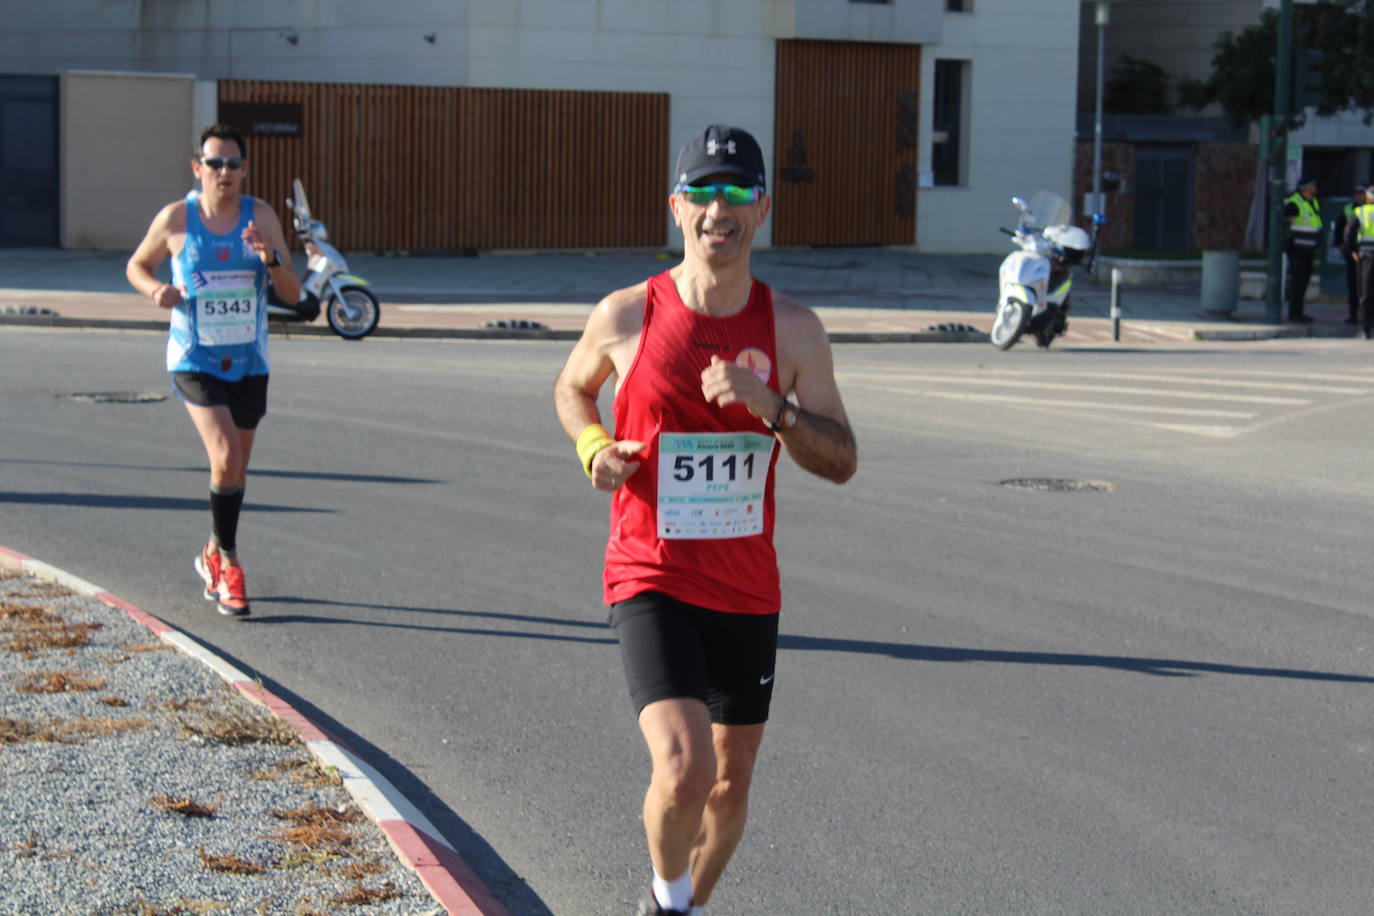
(415, 840)
(1274, 332)
(278, 329)
(284, 330)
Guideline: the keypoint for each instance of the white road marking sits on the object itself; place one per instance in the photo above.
(1024, 381)
(1197, 380)
(1059, 402)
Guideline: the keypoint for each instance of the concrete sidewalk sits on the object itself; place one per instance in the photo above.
(861, 294)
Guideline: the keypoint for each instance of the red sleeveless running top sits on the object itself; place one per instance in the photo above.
(696, 520)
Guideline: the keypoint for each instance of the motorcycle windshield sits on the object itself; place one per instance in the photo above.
(1046, 208)
(301, 205)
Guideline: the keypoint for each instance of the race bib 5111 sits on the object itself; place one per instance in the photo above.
(711, 485)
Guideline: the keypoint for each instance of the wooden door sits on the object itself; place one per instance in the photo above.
(845, 170)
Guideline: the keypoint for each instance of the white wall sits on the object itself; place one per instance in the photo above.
(915, 22)
(335, 40)
(126, 150)
(715, 58)
(1024, 63)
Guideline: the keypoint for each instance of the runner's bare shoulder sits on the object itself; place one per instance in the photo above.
(173, 216)
(621, 313)
(164, 236)
(795, 322)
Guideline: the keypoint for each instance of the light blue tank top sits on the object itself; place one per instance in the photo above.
(220, 327)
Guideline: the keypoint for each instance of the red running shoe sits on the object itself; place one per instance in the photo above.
(233, 601)
(208, 564)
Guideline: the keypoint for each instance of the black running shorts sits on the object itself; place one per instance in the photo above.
(672, 649)
(246, 398)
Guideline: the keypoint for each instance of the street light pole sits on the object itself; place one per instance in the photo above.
(1278, 153)
(1102, 16)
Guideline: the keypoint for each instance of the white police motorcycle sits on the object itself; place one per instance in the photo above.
(349, 306)
(1036, 280)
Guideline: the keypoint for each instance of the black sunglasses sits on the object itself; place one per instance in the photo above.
(215, 163)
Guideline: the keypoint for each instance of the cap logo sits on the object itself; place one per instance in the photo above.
(713, 147)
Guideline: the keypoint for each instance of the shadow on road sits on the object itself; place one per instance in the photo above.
(1163, 667)
(130, 501)
(259, 602)
(254, 472)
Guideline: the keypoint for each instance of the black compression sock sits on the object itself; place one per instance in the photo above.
(225, 504)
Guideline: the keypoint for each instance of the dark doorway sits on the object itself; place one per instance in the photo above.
(28, 161)
(1163, 198)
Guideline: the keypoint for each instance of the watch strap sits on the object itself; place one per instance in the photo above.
(776, 426)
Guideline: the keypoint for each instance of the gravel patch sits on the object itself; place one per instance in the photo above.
(134, 780)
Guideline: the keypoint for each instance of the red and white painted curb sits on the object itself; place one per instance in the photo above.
(449, 879)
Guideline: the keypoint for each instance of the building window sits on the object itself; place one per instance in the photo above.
(958, 6)
(947, 122)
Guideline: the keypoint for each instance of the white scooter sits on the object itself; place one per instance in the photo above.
(350, 307)
(1035, 281)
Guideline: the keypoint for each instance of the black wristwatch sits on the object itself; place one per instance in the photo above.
(786, 419)
(276, 259)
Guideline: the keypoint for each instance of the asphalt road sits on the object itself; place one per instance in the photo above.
(1153, 696)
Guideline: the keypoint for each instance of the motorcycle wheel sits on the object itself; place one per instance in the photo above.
(1009, 324)
(356, 316)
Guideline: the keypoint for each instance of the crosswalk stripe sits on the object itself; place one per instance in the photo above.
(1061, 402)
(1023, 382)
(1216, 432)
(1196, 380)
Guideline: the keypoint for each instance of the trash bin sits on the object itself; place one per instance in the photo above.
(1220, 282)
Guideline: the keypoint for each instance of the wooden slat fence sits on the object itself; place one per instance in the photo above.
(425, 168)
(846, 143)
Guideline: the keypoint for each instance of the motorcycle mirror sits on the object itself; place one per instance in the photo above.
(1018, 203)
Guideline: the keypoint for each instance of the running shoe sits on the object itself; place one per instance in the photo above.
(208, 565)
(233, 600)
(651, 907)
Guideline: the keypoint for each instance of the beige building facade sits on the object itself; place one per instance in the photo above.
(1016, 64)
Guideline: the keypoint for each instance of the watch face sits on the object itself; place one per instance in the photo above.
(789, 418)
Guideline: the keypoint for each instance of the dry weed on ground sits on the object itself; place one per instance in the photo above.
(55, 653)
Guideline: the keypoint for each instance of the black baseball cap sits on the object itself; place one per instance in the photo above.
(721, 149)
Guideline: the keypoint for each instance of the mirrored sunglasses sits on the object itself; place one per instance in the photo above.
(215, 163)
(735, 195)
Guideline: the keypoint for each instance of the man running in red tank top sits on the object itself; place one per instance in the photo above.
(708, 362)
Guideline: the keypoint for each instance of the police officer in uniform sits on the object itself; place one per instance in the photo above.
(1303, 213)
(1349, 255)
(1359, 241)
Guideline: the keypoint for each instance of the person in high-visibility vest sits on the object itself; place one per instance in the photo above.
(1349, 254)
(1304, 234)
(1359, 241)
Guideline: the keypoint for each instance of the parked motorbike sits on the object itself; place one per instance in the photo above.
(349, 306)
(1036, 280)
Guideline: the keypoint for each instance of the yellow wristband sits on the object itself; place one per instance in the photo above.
(590, 441)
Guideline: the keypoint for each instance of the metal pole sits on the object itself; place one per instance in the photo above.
(1278, 157)
(1102, 15)
(1116, 303)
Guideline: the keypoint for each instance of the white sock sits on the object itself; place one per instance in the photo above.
(675, 894)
